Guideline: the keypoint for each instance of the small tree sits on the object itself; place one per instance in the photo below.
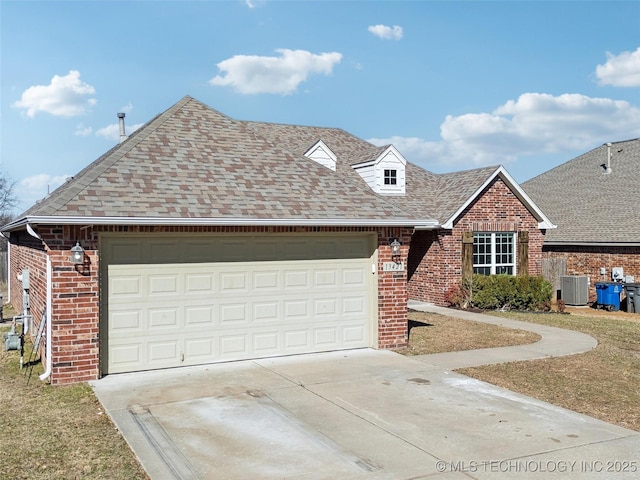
(8, 200)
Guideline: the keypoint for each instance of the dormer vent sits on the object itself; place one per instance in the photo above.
(323, 155)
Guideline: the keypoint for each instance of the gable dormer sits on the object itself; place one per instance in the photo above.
(386, 174)
(323, 155)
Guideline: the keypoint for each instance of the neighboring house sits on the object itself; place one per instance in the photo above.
(594, 199)
(202, 238)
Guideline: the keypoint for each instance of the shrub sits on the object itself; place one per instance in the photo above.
(506, 292)
(459, 295)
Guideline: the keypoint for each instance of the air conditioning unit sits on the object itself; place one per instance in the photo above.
(575, 290)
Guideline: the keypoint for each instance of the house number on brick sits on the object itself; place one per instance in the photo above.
(392, 267)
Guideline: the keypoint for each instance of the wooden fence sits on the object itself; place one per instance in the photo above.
(552, 269)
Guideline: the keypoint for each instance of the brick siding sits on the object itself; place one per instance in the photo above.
(76, 296)
(587, 260)
(435, 257)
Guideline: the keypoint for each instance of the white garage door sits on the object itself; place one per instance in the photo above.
(255, 297)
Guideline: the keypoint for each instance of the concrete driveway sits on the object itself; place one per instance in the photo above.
(360, 414)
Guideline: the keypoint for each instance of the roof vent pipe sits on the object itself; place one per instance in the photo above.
(123, 135)
(608, 167)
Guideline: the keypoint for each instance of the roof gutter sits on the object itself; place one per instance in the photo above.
(28, 222)
(591, 244)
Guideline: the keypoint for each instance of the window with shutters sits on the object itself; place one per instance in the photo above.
(494, 253)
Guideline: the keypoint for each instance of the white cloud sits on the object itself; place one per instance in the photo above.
(36, 187)
(127, 108)
(386, 33)
(534, 124)
(620, 70)
(112, 132)
(252, 74)
(64, 97)
(82, 130)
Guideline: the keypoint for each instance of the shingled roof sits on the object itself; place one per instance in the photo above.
(589, 205)
(194, 163)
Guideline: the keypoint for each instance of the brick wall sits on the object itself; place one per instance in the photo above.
(76, 297)
(435, 258)
(27, 253)
(587, 260)
(392, 291)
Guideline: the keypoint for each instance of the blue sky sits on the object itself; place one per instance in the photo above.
(452, 84)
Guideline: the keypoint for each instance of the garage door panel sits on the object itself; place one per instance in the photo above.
(199, 316)
(353, 334)
(295, 310)
(163, 351)
(198, 284)
(233, 346)
(296, 340)
(325, 309)
(199, 349)
(267, 343)
(127, 321)
(163, 319)
(296, 279)
(234, 282)
(325, 337)
(233, 315)
(172, 314)
(354, 305)
(125, 286)
(126, 357)
(354, 277)
(266, 282)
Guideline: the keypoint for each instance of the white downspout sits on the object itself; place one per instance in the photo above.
(47, 371)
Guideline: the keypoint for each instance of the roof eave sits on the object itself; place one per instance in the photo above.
(26, 222)
(570, 243)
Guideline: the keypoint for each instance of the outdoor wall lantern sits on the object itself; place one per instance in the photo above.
(77, 254)
(395, 248)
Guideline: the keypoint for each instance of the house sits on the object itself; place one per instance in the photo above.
(202, 238)
(594, 200)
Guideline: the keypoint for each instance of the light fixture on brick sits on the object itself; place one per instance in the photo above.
(77, 254)
(395, 248)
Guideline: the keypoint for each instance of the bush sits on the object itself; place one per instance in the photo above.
(506, 292)
(459, 296)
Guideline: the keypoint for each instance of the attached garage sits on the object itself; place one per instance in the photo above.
(204, 239)
(187, 300)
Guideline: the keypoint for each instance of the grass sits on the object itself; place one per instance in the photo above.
(56, 432)
(433, 333)
(603, 383)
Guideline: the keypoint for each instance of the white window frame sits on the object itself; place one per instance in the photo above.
(392, 178)
(494, 266)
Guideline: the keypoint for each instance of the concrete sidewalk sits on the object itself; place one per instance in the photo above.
(555, 342)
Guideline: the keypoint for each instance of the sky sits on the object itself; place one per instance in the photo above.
(453, 85)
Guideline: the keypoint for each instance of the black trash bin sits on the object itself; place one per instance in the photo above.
(633, 297)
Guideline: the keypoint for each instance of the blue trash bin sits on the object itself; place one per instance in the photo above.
(608, 295)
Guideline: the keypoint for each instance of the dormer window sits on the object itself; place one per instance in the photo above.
(385, 174)
(390, 177)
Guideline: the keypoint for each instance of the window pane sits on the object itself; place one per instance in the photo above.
(390, 177)
(482, 270)
(482, 249)
(504, 270)
(494, 253)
